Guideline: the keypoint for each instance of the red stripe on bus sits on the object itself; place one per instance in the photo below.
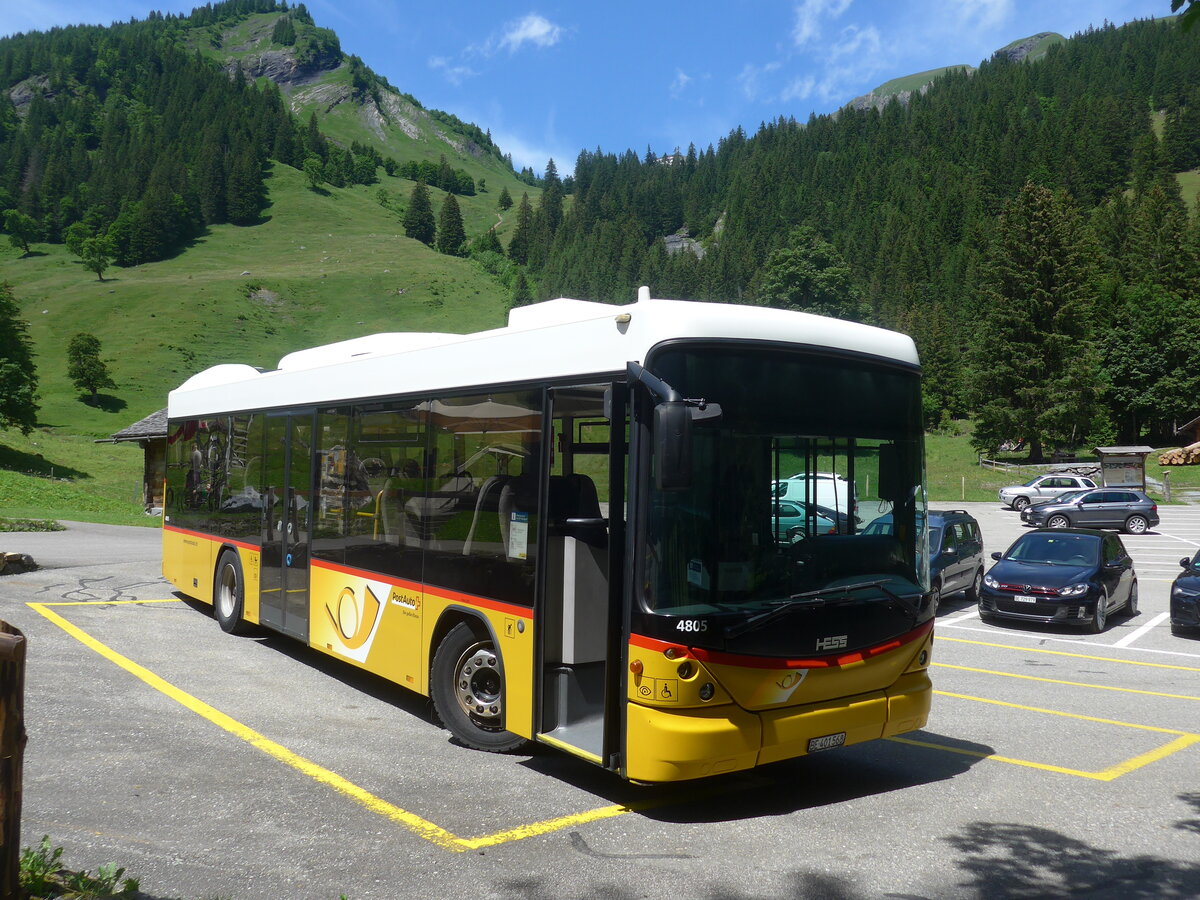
(444, 593)
(211, 537)
(720, 657)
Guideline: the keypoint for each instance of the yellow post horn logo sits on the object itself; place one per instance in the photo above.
(352, 619)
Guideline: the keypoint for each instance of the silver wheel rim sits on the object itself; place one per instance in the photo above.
(227, 592)
(977, 584)
(1101, 616)
(1136, 525)
(1058, 522)
(1020, 503)
(478, 687)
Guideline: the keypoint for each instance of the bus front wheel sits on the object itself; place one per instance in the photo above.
(467, 687)
(229, 594)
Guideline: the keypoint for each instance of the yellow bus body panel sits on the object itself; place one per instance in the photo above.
(387, 626)
(674, 735)
(188, 552)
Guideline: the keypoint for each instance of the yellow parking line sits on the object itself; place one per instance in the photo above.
(1183, 739)
(105, 602)
(419, 826)
(1124, 662)
(1098, 687)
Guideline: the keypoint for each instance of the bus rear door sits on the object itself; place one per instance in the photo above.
(286, 539)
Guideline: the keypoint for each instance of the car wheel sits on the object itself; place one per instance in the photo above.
(1136, 525)
(1131, 605)
(935, 595)
(1099, 620)
(972, 593)
(1020, 503)
(1058, 522)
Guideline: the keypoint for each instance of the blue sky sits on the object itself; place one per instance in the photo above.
(551, 79)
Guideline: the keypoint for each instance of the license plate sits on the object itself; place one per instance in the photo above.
(1025, 598)
(828, 742)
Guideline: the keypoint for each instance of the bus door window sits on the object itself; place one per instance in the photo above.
(478, 518)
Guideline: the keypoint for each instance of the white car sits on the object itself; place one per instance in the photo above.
(1041, 489)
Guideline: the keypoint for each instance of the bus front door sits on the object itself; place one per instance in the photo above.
(580, 609)
(286, 538)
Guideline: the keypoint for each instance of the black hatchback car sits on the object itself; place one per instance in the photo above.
(1185, 597)
(1069, 576)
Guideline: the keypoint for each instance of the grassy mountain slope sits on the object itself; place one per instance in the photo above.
(323, 267)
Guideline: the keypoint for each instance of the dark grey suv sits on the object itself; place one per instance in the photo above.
(1125, 508)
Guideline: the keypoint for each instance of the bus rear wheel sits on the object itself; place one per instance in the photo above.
(229, 594)
(467, 687)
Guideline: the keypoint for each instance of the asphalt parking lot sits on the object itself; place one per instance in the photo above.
(1054, 764)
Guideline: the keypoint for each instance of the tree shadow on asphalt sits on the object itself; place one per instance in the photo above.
(998, 861)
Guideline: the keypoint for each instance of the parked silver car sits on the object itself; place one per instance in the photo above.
(1041, 489)
(1123, 508)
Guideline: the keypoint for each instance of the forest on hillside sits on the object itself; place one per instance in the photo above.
(126, 135)
(1077, 327)
(1025, 223)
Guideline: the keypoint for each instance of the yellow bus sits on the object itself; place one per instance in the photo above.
(568, 531)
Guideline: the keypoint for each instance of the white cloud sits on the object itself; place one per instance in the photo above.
(682, 80)
(983, 14)
(456, 75)
(531, 29)
(854, 61)
(750, 76)
(799, 88)
(809, 15)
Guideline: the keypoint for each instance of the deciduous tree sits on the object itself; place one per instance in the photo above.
(84, 366)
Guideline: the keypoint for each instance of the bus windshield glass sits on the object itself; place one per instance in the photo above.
(775, 523)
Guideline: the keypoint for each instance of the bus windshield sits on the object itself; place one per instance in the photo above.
(771, 530)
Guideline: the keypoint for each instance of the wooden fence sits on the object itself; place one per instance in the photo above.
(12, 753)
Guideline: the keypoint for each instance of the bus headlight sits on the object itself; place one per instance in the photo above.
(707, 690)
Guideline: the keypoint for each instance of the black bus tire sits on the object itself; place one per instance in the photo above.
(229, 594)
(467, 688)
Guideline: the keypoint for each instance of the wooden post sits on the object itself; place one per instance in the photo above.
(12, 752)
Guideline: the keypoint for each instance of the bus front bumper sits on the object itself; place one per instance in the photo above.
(671, 745)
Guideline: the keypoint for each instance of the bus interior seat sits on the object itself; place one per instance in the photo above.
(391, 511)
(490, 495)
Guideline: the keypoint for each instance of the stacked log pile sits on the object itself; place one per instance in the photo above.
(1184, 456)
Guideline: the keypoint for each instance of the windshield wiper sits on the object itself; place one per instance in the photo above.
(835, 596)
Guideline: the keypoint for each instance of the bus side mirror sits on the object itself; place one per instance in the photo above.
(890, 483)
(673, 446)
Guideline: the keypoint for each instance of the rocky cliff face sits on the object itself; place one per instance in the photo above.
(1021, 49)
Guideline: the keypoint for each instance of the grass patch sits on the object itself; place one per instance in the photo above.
(30, 525)
(42, 876)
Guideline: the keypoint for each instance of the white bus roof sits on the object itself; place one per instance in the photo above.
(545, 341)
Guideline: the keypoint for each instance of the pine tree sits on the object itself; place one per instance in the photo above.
(522, 239)
(522, 295)
(18, 375)
(419, 223)
(504, 201)
(450, 233)
(1035, 370)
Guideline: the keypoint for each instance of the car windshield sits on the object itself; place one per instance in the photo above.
(1069, 496)
(1056, 549)
(1034, 480)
